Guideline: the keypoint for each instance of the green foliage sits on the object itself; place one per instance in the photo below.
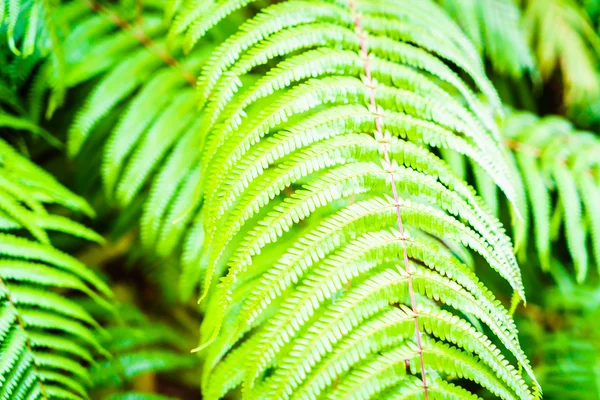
(33, 31)
(565, 43)
(155, 106)
(297, 212)
(309, 115)
(495, 28)
(323, 176)
(561, 173)
(9, 16)
(562, 335)
(138, 348)
(46, 338)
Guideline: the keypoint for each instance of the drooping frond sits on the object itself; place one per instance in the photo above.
(46, 338)
(153, 145)
(495, 28)
(560, 167)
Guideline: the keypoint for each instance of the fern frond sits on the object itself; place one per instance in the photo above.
(46, 337)
(316, 195)
(297, 215)
(33, 31)
(132, 160)
(560, 169)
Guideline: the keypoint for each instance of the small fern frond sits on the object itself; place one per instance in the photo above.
(33, 31)
(560, 167)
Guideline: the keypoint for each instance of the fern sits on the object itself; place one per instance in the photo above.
(560, 169)
(552, 38)
(297, 213)
(305, 169)
(39, 27)
(158, 109)
(46, 338)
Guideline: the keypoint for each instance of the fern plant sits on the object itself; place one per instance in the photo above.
(305, 162)
(322, 196)
(317, 127)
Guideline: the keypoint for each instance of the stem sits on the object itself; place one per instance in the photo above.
(144, 39)
(365, 56)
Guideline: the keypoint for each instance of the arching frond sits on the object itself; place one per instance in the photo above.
(323, 246)
(314, 191)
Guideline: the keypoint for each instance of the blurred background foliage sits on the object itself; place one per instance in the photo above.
(543, 58)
